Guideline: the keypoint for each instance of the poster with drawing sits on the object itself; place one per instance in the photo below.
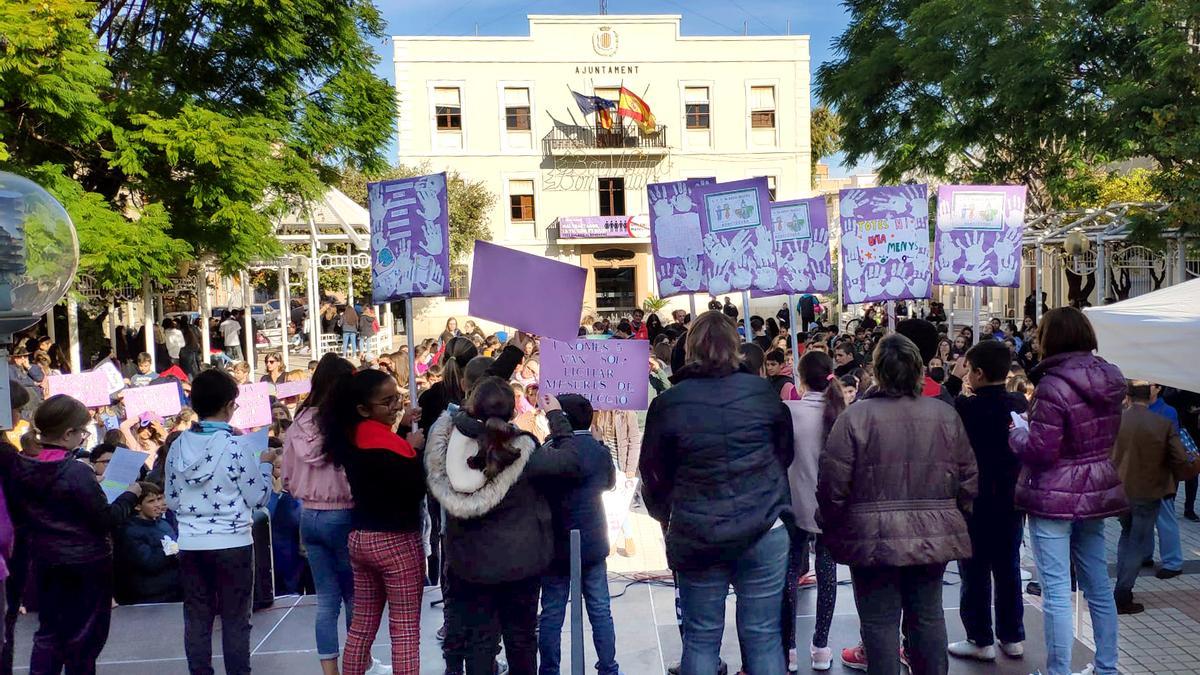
(978, 239)
(735, 222)
(410, 238)
(675, 236)
(801, 232)
(885, 243)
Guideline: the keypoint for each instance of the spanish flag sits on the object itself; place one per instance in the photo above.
(632, 106)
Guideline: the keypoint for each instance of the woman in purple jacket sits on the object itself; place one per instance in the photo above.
(1068, 485)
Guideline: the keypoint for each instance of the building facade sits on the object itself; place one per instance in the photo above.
(572, 186)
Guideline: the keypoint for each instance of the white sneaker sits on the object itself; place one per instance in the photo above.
(1087, 670)
(969, 650)
(1013, 650)
(822, 658)
(377, 668)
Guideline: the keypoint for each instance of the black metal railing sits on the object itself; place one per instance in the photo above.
(620, 137)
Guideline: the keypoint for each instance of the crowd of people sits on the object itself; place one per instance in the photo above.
(894, 446)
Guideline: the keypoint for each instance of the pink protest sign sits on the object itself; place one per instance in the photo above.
(290, 389)
(612, 374)
(253, 406)
(89, 388)
(531, 293)
(161, 400)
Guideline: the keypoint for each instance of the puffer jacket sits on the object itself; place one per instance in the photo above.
(896, 482)
(714, 465)
(498, 530)
(1066, 470)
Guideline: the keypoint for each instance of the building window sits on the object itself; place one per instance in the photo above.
(696, 107)
(520, 200)
(516, 109)
(762, 107)
(615, 289)
(447, 103)
(612, 196)
(771, 187)
(460, 282)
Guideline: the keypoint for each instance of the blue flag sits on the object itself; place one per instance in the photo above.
(590, 104)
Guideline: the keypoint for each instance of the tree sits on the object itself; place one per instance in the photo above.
(470, 203)
(826, 127)
(198, 120)
(973, 92)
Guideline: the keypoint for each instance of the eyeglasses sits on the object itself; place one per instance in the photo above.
(272, 360)
(389, 402)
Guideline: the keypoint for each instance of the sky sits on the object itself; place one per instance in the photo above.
(822, 20)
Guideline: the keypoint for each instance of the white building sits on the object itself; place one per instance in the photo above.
(500, 110)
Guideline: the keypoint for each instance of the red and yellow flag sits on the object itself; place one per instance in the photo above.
(632, 106)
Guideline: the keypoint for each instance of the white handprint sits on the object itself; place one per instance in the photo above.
(666, 286)
(692, 274)
(975, 254)
(818, 246)
(436, 281)
(433, 238)
(742, 278)
(895, 203)
(683, 200)
(767, 278)
(873, 283)
(1006, 246)
(918, 203)
(662, 207)
(854, 291)
(919, 286)
(764, 248)
(895, 286)
(850, 202)
(819, 278)
(427, 194)
(973, 275)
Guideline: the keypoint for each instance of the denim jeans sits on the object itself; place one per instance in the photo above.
(996, 543)
(758, 579)
(555, 591)
(1055, 544)
(885, 596)
(1170, 547)
(326, 535)
(1137, 537)
(349, 342)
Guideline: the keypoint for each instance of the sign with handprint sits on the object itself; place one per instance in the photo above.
(410, 238)
(979, 230)
(526, 291)
(675, 236)
(739, 246)
(801, 233)
(885, 243)
(612, 374)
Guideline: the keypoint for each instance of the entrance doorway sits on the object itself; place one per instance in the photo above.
(615, 290)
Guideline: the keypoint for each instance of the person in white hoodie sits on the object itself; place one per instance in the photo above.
(214, 482)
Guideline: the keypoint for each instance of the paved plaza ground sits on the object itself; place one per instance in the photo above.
(1164, 640)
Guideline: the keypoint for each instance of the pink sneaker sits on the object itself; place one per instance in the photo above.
(822, 657)
(807, 580)
(855, 657)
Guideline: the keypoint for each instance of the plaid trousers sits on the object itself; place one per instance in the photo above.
(389, 567)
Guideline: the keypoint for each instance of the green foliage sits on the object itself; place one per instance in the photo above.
(826, 128)
(653, 304)
(470, 202)
(182, 127)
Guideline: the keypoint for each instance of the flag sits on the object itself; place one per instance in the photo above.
(632, 106)
(605, 118)
(590, 104)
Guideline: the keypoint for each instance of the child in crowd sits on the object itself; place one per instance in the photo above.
(145, 371)
(147, 552)
(995, 526)
(214, 483)
(576, 505)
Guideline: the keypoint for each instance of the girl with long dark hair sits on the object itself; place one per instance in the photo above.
(821, 401)
(387, 485)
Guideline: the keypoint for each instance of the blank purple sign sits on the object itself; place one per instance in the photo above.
(89, 388)
(161, 400)
(531, 293)
(612, 374)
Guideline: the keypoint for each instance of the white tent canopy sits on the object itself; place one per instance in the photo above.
(335, 218)
(1154, 337)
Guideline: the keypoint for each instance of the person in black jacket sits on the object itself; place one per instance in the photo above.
(995, 525)
(499, 534)
(69, 523)
(714, 468)
(147, 553)
(576, 505)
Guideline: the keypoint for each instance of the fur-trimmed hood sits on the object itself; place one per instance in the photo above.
(465, 492)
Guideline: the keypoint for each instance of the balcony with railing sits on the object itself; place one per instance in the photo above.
(567, 140)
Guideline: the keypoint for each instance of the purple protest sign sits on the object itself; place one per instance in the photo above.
(735, 222)
(885, 243)
(801, 232)
(979, 229)
(253, 406)
(531, 293)
(289, 389)
(89, 388)
(161, 400)
(612, 374)
(675, 237)
(410, 238)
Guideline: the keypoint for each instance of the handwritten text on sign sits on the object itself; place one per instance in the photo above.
(612, 374)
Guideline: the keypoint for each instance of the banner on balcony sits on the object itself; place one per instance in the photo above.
(801, 232)
(675, 236)
(885, 243)
(738, 243)
(604, 227)
(410, 238)
(979, 230)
